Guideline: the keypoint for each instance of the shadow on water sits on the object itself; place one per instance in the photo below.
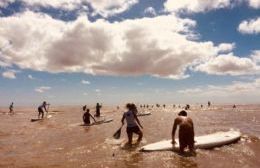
(133, 160)
(186, 162)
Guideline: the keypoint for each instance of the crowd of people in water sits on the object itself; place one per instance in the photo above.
(133, 124)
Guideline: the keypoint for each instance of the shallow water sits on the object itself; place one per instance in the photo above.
(60, 141)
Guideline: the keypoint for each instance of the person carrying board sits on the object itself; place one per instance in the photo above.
(186, 131)
(132, 121)
(86, 116)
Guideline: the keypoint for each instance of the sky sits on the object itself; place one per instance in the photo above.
(72, 52)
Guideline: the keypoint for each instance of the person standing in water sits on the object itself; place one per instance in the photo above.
(42, 107)
(86, 116)
(11, 108)
(186, 131)
(98, 107)
(132, 123)
(209, 104)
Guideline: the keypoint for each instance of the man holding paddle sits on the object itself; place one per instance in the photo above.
(87, 115)
(132, 123)
(41, 108)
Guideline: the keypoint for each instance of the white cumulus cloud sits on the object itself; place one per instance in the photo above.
(150, 11)
(85, 82)
(254, 3)
(102, 7)
(235, 88)
(195, 6)
(256, 56)
(251, 26)
(4, 3)
(228, 64)
(30, 77)
(158, 46)
(42, 89)
(10, 74)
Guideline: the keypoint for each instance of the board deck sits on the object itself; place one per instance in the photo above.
(40, 119)
(144, 113)
(201, 142)
(98, 122)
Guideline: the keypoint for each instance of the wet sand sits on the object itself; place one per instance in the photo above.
(60, 141)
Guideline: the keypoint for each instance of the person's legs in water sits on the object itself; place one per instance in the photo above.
(182, 146)
(130, 135)
(140, 136)
(137, 130)
(191, 145)
(87, 121)
(186, 138)
(40, 113)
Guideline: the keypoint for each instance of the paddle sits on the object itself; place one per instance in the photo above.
(48, 109)
(117, 133)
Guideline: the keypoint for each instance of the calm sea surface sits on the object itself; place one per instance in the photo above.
(60, 142)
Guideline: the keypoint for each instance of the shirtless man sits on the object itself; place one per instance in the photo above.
(186, 131)
(86, 116)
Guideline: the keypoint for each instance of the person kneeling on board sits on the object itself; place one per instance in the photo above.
(40, 109)
(86, 116)
(186, 131)
(132, 120)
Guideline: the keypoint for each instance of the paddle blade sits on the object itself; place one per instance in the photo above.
(117, 133)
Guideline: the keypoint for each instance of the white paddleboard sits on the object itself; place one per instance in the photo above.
(201, 142)
(39, 119)
(98, 122)
(144, 113)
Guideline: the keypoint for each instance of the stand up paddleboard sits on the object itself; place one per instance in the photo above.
(201, 142)
(40, 119)
(144, 113)
(98, 122)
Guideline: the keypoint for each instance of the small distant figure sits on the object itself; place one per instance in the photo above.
(234, 106)
(118, 107)
(186, 131)
(209, 103)
(98, 107)
(133, 123)
(157, 105)
(187, 107)
(141, 106)
(174, 106)
(42, 107)
(11, 108)
(164, 106)
(147, 106)
(86, 116)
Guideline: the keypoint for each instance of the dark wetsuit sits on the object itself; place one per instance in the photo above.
(98, 110)
(86, 118)
(186, 135)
